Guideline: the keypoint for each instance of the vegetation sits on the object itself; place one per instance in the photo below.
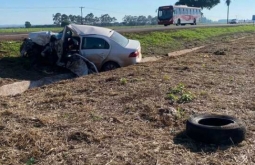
(28, 24)
(180, 94)
(58, 29)
(104, 20)
(199, 3)
(163, 42)
(9, 49)
(33, 29)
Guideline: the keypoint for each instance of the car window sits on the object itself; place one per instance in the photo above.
(94, 43)
(120, 39)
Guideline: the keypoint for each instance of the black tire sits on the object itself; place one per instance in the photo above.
(194, 22)
(178, 22)
(165, 24)
(215, 129)
(110, 66)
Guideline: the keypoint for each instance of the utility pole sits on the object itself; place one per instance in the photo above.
(81, 14)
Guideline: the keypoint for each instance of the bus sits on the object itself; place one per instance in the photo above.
(178, 15)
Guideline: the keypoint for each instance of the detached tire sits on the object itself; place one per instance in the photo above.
(215, 129)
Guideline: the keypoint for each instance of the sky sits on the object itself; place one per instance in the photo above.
(41, 12)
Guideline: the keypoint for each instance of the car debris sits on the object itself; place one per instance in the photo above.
(82, 49)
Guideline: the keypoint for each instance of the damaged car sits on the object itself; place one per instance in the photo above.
(83, 49)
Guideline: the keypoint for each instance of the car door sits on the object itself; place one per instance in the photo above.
(95, 49)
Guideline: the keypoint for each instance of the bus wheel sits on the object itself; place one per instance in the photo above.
(195, 22)
(165, 24)
(178, 22)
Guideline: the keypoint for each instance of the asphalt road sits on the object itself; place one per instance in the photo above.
(131, 30)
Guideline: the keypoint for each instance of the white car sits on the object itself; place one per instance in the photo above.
(104, 47)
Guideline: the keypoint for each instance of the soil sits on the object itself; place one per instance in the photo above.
(125, 117)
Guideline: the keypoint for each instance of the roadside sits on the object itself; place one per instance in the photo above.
(126, 116)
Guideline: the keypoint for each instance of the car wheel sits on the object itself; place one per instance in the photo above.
(215, 129)
(110, 66)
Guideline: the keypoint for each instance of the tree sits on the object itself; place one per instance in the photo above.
(141, 20)
(28, 24)
(199, 3)
(64, 18)
(114, 19)
(105, 19)
(89, 18)
(228, 3)
(57, 18)
(64, 23)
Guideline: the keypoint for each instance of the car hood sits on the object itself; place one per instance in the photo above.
(133, 44)
(86, 30)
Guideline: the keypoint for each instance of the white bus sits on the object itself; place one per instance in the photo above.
(179, 15)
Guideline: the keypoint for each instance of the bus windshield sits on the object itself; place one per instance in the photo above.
(165, 13)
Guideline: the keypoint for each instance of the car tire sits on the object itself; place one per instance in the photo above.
(110, 66)
(215, 129)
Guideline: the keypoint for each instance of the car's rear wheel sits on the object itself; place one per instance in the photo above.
(110, 66)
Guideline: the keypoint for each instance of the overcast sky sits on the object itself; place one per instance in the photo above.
(40, 12)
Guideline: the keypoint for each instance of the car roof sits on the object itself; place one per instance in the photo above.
(87, 29)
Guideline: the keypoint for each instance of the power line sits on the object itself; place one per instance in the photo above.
(72, 7)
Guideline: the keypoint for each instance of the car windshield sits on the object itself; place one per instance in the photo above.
(120, 39)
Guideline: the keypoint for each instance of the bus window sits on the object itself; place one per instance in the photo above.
(160, 13)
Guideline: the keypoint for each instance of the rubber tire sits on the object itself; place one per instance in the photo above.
(178, 22)
(110, 65)
(194, 22)
(226, 134)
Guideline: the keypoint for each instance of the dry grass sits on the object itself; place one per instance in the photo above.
(124, 117)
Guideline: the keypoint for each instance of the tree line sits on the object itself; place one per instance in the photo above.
(104, 20)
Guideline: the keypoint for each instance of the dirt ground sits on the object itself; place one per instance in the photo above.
(114, 117)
